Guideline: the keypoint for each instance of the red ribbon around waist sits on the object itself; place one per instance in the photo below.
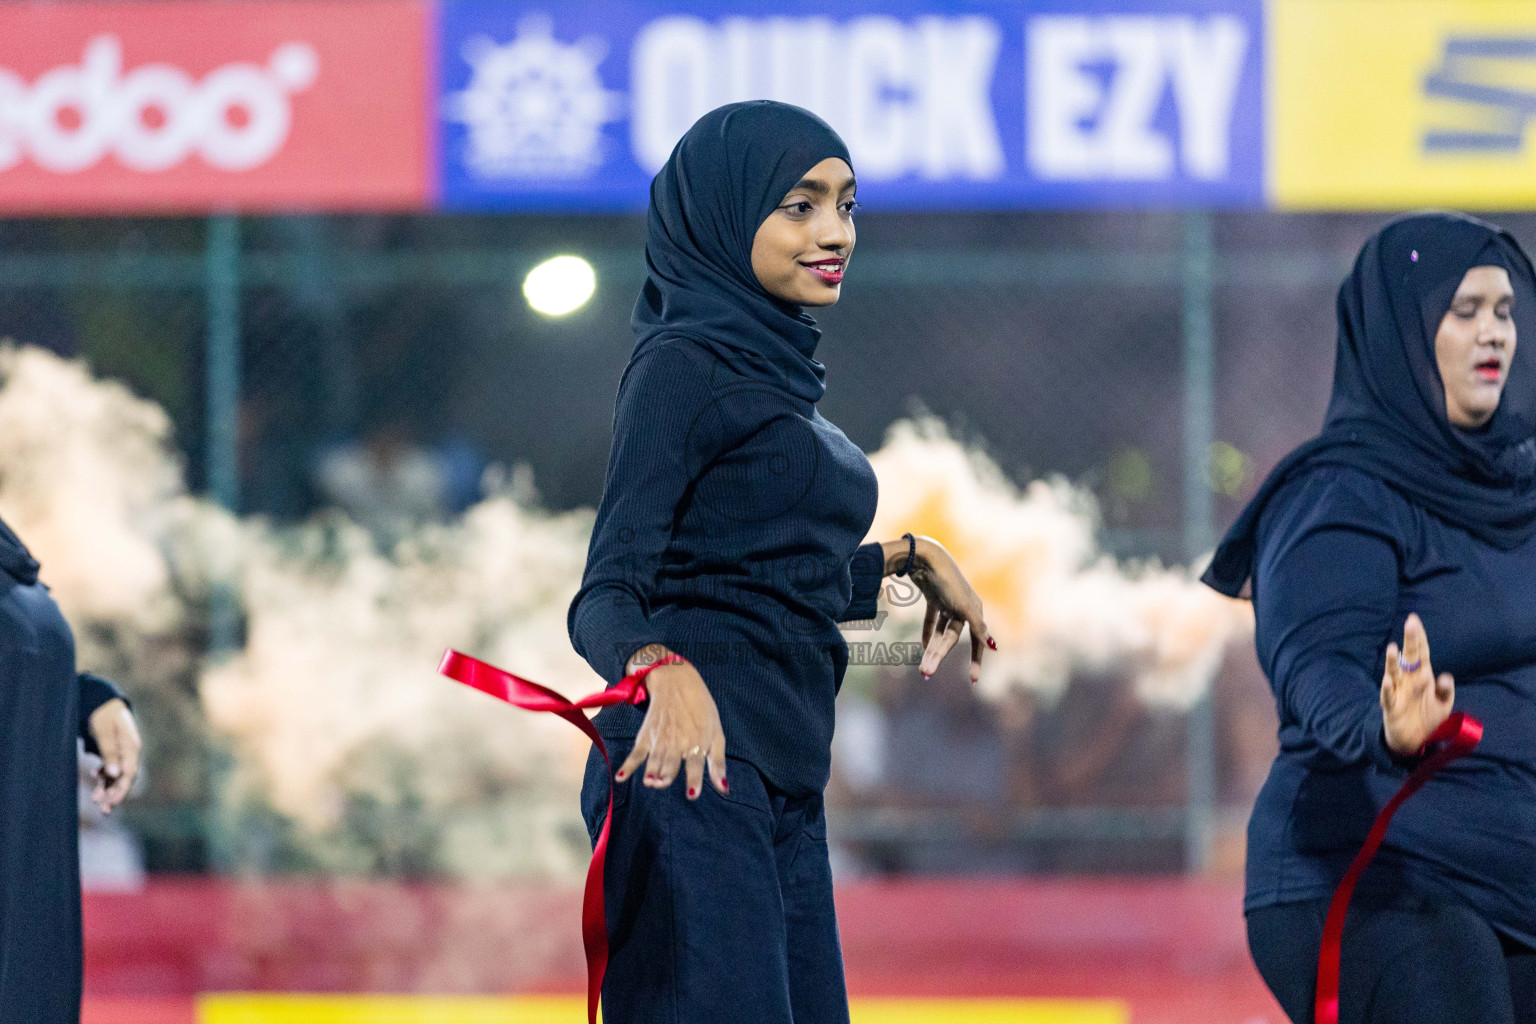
(531, 696)
(1456, 735)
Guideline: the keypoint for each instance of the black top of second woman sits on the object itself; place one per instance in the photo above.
(45, 705)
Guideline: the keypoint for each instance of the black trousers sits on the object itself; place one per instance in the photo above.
(720, 908)
(1405, 960)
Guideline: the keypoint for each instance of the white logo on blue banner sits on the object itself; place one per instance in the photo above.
(982, 104)
(534, 107)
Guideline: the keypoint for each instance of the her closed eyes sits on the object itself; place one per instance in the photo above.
(1470, 312)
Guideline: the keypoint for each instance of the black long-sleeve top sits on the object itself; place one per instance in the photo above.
(1342, 559)
(44, 706)
(729, 531)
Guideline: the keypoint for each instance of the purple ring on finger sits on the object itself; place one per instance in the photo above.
(1409, 666)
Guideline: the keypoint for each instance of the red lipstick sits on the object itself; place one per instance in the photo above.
(829, 270)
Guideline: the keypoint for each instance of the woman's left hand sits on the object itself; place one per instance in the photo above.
(117, 737)
(952, 603)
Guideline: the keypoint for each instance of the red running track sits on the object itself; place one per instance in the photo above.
(1173, 949)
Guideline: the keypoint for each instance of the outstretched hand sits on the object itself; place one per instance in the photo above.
(1413, 700)
(952, 607)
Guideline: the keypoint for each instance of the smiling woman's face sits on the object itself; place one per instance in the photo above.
(1475, 345)
(801, 251)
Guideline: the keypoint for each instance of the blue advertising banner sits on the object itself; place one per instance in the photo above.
(1071, 103)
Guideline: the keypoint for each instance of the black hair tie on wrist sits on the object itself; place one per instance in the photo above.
(911, 553)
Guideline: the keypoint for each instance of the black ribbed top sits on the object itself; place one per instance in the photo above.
(1343, 557)
(729, 531)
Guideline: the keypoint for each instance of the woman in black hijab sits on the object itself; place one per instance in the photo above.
(44, 706)
(729, 533)
(1413, 514)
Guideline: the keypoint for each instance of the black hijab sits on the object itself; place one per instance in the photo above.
(1387, 415)
(726, 175)
(15, 559)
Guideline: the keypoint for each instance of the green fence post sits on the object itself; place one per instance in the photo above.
(221, 286)
(221, 463)
(1199, 511)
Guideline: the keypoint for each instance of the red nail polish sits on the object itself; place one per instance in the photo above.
(926, 675)
(992, 643)
(692, 792)
(725, 785)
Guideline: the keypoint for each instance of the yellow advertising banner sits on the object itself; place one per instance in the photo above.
(1402, 103)
(288, 1009)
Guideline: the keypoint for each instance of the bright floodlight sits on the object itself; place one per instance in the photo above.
(559, 285)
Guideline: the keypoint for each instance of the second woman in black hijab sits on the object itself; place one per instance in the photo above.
(1410, 519)
(729, 533)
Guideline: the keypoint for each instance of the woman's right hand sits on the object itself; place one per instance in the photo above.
(1413, 703)
(681, 728)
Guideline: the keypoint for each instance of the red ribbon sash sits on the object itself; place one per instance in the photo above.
(531, 696)
(1456, 735)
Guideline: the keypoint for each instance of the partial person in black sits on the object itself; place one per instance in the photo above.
(1413, 513)
(45, 705)
(729, 533)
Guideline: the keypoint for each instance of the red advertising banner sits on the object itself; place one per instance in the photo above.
(188, 107)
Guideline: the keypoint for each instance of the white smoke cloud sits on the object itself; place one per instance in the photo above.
(85, 478)
(334, 696)
(333, 703)
(1052, 600)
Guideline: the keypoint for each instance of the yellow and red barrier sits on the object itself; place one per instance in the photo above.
(973, 951)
